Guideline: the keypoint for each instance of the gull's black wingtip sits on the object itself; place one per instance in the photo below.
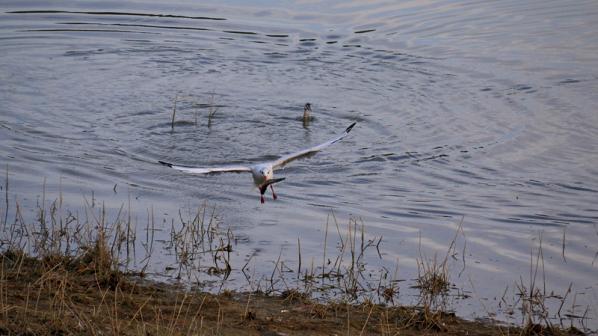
(166, 163)
(350, 127)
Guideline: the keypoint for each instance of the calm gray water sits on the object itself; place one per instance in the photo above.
(483, 113)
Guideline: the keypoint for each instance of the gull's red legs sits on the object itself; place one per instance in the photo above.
(264, 187)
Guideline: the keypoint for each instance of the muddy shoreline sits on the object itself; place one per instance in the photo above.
(58, 295)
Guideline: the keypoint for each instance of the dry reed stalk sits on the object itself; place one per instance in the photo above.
(174, 112)
(348, 307)
(3, 291)
(563, 245)
(246, 311)
(219, 319)
(367, 320)
(299, 257)
(212, 110)
(177, 312)
(114, 320)
(190, 329)
(138, 311)
(325, 244)
(6, 200)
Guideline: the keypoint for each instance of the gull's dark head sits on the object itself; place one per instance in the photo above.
(306, 113)
(307, 107)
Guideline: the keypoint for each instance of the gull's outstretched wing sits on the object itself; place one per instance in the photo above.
(281, 162)
(208, 170)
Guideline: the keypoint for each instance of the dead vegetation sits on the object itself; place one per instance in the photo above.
(192, 102)
(533, 298)
(66, 297)
(72, 273)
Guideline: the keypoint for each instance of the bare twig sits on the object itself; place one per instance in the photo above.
(174, 111)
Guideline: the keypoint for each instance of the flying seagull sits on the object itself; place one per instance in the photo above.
(262, 173)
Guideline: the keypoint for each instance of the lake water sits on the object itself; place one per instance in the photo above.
(476, 113)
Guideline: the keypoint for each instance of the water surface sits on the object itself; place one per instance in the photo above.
(480, 113)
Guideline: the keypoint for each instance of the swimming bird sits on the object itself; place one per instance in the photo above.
(307, 112)
(263, 173)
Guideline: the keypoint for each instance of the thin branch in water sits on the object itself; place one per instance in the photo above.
(6, 193)
(563, 251)
(174, 111)
(299, 252)
(212, 110)
(325, 242)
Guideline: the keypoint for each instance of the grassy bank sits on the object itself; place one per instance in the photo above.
(87, 294)
(58, 295)
(69, 273)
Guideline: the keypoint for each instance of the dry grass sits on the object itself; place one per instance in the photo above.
(86, 296)
(69, 273)
(533, 300)
(61, 300)
(193, 102)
